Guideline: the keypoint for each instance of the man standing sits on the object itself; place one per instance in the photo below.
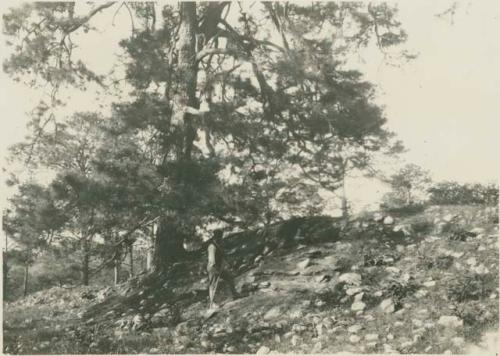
(215, 268)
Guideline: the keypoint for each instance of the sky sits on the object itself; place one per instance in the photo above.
(443, 105)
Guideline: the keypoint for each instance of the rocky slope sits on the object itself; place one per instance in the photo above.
(423, 283)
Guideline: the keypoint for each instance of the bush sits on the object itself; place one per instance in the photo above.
(472, 286)
(403, 210)
(453, 193)
(422, 226)
(477, 318)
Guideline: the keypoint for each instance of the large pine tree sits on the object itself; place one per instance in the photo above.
(227, 100)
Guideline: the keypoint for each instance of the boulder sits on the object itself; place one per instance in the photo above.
(354, 339)
(450, 321)
(371, 337)
(354, 328)
(351, 278)
(387, 306)
(263, 350)
(272, 313)
(353, 290)
(388, 220)
(304, 264)
(358, 306)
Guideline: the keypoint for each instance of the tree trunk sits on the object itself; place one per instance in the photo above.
(86, 262)
(131, 259)
(408, 198)
(150, 249)
(169, 240)
(168, 244)
(26, 275)
(344, 207)
(117, 267)
(5, 273)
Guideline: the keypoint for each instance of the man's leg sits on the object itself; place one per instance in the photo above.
(213, 280)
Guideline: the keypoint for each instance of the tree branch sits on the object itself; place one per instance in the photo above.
(82, 20)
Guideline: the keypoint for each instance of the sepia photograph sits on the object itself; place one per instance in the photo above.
(250, 177)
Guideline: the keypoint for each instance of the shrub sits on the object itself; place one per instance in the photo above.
(477, 318)
(441, 262)
(453, 193)
(472, 286)
(422, 226)
(398, 291)
(402, 210)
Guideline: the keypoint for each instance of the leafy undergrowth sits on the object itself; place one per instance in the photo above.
(421, 283)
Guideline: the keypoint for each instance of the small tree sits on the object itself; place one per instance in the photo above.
(409, 182)
(32, 223)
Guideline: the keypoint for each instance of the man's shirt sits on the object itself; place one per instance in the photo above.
(215, 256)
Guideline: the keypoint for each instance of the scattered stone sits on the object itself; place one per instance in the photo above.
(295, 340)
(429, 283)
(471, 261)
(263, 350)
(393, 269)
(371, 337)
(406, 344)
(481, 269)
(353, 290)
(417, 323)
(358, 306)
(319, 303)
(390, 337)
(421, 293)
(387, 306)
(265, 284)
(429, 325)
(354, 328)
(354, 339)
(272, 313)
(388, 349)
(458, 341)
(295, 313)
(388, 220)
(450, 321)
(322, 278)
(304, 264)
(359, 297)
(449, 217)
(317, 347)
(351, 278)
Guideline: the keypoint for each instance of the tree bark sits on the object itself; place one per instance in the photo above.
(150, 249)
(169, 240)
(26, 275)
(168, 244)
(5, 274)
(86, 262)
(116, 270)
(344, 207)
(131, 259)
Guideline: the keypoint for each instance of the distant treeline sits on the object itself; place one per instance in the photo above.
(453, 193)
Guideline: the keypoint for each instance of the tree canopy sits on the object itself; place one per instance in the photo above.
(231, 107)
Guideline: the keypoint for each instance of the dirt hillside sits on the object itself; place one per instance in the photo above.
(420, 283)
